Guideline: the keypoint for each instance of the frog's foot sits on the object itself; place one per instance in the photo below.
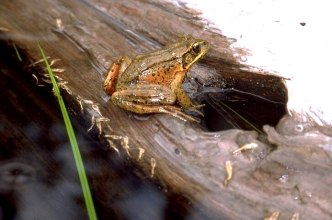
(148, 109)
(195, 109)
(176, 112)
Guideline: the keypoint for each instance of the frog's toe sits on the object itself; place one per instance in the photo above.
(195, 109)
(177, 112)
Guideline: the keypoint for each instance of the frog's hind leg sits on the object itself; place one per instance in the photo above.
(149, 101)
(149, 98)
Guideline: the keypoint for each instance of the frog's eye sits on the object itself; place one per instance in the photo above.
(196, 48)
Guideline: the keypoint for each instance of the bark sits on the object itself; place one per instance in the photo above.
(286, 172)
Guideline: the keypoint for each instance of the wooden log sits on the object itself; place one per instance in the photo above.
(183, 157)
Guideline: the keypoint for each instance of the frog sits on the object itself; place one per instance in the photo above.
(152, 82)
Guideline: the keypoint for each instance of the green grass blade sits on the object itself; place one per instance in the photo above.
(73, 142)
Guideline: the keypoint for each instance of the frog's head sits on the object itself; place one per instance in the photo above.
(195, 50)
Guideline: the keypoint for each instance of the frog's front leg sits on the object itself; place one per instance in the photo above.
(185, 102)
(181, 96)
(152, 98)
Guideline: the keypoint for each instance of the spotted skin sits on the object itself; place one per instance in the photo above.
(152, 83)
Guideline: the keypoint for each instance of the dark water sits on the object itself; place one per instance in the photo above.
(38, 178)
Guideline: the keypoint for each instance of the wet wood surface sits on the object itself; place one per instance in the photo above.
(288, 170)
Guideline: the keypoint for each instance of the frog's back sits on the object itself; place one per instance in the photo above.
(156, 63)
(156, 67)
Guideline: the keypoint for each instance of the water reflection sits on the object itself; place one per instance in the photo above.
(14, 175)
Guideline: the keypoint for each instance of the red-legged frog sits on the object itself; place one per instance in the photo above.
(151, 83)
